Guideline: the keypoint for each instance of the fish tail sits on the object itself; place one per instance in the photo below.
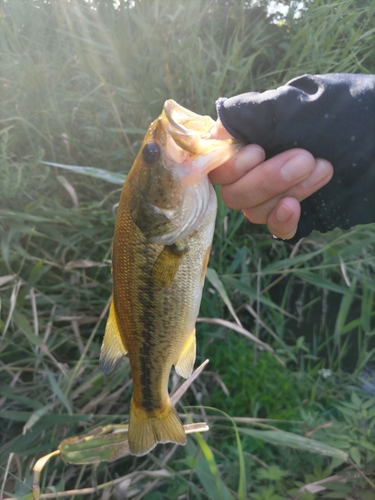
(146, 430)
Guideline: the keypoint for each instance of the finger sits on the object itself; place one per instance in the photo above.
(235, 168)
(268, 180)
(318, 178)
(283, 220)
(321, 174)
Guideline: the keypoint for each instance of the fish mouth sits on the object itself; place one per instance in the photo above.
(192, 141)
(180, 121)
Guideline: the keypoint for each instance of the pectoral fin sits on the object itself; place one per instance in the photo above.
(113, 348)
(185, 364)
(167, 265)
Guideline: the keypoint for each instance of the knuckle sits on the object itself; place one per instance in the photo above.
(255, 216)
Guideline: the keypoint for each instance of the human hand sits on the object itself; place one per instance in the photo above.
(269, 191)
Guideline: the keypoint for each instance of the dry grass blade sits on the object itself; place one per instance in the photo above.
(317, 486)
(38, 467)
(6, 472)
(263, 324)
(6, 279)
(70, 189)
(12, 305)
(242, 331)
(198, 427)
(83, 263)
(184, 387)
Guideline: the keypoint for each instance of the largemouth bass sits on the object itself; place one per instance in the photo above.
(161, 246)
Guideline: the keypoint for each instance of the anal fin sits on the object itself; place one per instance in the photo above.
(113, 348)
(185, 364)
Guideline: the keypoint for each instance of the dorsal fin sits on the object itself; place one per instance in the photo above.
(113, 347)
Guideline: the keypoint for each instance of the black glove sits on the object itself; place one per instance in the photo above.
(333, 117)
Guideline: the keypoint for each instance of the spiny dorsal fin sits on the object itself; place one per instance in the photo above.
(167, 265)
(113, 348)
(185, 364)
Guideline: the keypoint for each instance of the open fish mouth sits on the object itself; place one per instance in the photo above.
(181, 122)
(190, 141)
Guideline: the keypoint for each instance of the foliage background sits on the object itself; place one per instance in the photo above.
(80, 82)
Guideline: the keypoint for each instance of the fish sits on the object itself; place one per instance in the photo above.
(161, 246)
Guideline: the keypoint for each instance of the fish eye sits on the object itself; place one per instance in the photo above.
(151, 152)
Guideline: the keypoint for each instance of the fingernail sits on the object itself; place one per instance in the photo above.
(321, 171)
(298, 166)
(248, 158)
(283, 213)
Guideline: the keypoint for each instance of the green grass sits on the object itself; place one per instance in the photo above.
(79, 87)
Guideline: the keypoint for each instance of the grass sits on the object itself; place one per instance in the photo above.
(79, 87)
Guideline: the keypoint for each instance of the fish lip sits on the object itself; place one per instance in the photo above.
(170, 108)
(181, 122)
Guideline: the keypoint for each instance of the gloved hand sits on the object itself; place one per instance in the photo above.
(328, 116)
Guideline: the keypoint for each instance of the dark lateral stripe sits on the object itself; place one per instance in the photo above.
(146, 298)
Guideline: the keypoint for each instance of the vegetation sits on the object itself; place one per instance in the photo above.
(80, 83)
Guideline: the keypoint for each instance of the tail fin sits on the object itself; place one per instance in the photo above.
(146, 431)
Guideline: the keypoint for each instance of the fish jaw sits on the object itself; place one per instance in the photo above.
(190, 133)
